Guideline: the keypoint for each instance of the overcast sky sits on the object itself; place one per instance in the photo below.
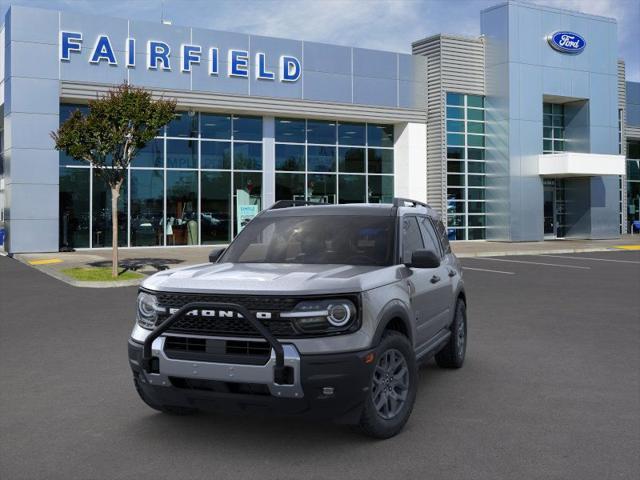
(378, 24)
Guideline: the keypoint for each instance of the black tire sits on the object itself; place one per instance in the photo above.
(373, 422)
(453, 353)
(168, 409)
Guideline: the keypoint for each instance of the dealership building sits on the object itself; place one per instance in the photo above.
(525, 133)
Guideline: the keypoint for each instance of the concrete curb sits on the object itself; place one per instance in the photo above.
(80, 284)
(536, 252)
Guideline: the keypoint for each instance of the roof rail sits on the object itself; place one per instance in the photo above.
(400, 202)
(294, 203)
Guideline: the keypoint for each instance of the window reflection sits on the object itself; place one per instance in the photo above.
(215, 207)
(290, 130)
(321, 159)
(351, 160)
(182, 153)
(290, 157)
(147, 188)
(215, 126)
(215, 155)
(102, 230)
(247, 156)
(380, 189)
(290, 186)
(351, 133)
(247, 128)
(321, 188)
(247, 188)
(352, 188)
(184, 124)
(319, 131)
(182, 197)
(74, 207)
(380, 135)
(380, 161)
(151, 155)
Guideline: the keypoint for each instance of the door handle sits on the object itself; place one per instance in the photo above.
(452, 273)
(435, 279)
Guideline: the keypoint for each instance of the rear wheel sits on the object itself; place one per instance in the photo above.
(393, 388)
(453, 353)
(169, 409)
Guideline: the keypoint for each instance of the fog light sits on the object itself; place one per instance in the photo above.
(328, 391)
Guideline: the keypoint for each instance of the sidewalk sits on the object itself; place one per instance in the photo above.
(173, 257)
(499, 249)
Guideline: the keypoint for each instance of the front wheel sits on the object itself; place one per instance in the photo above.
(453, 353)
(393, 388)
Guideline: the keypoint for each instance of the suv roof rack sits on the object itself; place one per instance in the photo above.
(293, 203)
(400, 202)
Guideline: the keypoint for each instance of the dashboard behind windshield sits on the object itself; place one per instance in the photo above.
(315, 239)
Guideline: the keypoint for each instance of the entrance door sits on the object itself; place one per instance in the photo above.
(555, 208)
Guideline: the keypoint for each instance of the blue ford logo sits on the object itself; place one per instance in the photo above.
(567, 42)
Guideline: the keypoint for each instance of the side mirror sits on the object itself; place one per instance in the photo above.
(424, 259)
(216, 253)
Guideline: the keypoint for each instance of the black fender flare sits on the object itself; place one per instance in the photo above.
(394, 309)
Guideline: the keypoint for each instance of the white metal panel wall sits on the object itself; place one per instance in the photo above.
(454, 64)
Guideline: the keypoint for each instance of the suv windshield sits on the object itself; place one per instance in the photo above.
(315, 239)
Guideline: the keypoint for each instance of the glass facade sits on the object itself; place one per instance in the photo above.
(187, 185)
(183, 188)
(465, 130)
(633, 184)
(552, 128)
(333, 162)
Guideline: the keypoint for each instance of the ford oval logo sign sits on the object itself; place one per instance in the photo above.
(567, 42)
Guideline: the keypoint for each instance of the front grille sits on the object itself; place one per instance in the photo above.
(228, 326)
(197, 325)
(238, 327)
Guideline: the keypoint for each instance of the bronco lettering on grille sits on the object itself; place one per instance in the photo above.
(221, 314)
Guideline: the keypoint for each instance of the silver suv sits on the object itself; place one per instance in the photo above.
(324, 310)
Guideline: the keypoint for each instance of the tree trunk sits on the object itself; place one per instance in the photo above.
(115, 193)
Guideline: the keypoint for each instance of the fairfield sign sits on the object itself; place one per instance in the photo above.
(159, 56)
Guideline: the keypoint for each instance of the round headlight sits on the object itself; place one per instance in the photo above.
(338, 314)
(147, 310)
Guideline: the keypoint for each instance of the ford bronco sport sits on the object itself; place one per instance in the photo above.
(318, 309)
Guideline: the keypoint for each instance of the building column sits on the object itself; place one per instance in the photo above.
(410, 161)
(31, 113)
(268, 162)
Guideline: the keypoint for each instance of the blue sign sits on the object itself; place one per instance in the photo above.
(159, 57)
(567, 42)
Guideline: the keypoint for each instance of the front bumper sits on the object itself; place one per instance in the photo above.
(322, 386)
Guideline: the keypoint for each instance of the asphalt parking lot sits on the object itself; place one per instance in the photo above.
(550, 389)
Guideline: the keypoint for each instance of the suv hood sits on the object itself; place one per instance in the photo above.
(269, 278)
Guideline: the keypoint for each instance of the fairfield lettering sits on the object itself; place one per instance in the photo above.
(160, 57)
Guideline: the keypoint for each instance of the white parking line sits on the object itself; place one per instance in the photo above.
(591, 258)
(485, 270)
(531, 263)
